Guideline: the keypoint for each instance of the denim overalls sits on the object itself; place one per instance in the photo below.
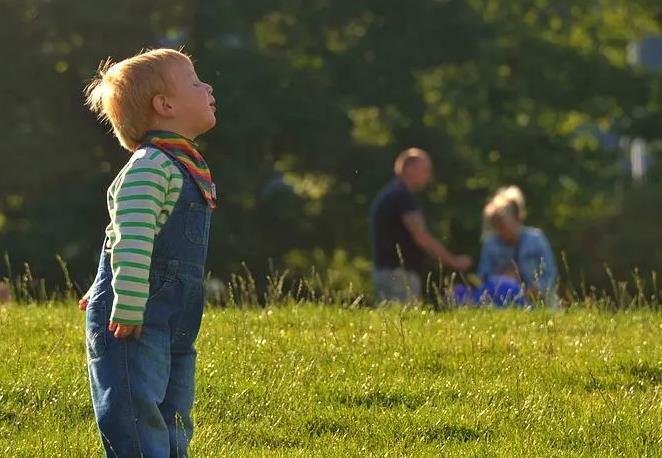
(142, 390)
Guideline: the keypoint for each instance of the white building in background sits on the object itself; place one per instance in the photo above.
(647, 54)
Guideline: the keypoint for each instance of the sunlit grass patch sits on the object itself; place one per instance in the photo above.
(319, 380)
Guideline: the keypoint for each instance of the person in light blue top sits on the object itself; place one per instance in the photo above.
(508, 242)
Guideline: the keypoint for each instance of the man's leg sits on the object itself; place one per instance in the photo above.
(396, 285)
(381, 279)
(415, 286)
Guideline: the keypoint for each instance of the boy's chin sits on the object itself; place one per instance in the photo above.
(208, 126)
(212, 122)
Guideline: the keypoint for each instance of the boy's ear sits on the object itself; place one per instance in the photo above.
(162, 106)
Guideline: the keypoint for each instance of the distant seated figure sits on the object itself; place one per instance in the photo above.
(501, 290)
(508, 242)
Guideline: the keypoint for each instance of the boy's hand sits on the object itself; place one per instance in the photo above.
(82, 303)
(122, 331)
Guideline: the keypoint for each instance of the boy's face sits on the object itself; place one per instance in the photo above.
(508, 270)
(192, 100)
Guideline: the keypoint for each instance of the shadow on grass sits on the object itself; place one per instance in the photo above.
(449, 432)
(319, 426)
(645, 372)
(380, 399)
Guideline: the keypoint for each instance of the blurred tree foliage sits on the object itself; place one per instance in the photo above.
(317, 97)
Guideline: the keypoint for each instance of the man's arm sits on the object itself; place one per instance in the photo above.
(415, 223)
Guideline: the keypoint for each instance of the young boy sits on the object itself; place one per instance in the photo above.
(501, 290)
(145, 305)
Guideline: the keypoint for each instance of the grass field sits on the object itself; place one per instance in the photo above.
(322, 381)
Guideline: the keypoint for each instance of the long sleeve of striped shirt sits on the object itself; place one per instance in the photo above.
(139, 201)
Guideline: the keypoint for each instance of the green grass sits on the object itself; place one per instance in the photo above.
(324, 381)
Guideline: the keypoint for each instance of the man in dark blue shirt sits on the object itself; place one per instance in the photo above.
(400, 239)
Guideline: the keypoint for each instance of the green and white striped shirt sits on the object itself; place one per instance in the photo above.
(140, 199)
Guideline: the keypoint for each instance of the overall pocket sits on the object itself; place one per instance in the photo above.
(159, 284)
(190, 317)
(197, 223)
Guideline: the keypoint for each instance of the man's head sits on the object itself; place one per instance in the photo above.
(154, 90)
(414, 167)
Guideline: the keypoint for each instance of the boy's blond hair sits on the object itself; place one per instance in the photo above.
(121, 93)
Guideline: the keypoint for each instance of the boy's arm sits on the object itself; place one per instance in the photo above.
(139, 199)
(83, 301)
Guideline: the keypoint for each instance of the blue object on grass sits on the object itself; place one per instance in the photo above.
(499, 291)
